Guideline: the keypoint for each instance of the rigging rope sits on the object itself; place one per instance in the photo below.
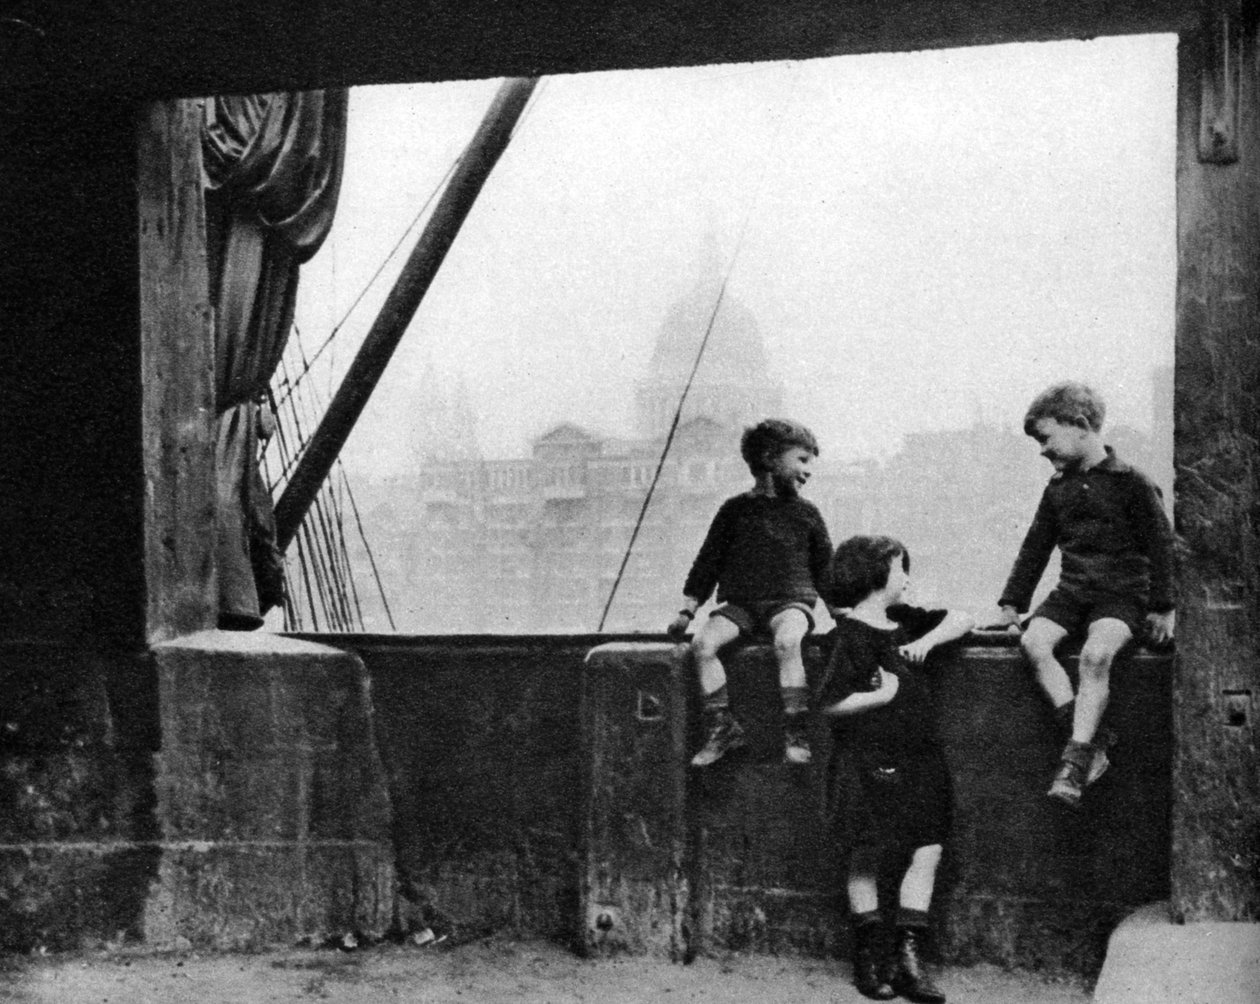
(380, 588)
(330, 571)
(673, 425)
(516, 131)
(669, 439)
(292, 386)
(326, 575)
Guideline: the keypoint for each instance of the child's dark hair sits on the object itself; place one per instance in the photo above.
(860, 567)
(770, 437)
(1067, 402)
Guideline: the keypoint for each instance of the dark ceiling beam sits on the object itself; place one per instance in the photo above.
(167, 48)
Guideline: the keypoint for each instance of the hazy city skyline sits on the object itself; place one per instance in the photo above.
(926, 238)
(920, 243)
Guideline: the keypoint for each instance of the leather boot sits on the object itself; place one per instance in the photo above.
(1073, 774)
(869, 963)
(911, 979)
(723, 734)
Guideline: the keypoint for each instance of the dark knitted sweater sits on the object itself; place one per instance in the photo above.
(1110, 527)
(762, 547)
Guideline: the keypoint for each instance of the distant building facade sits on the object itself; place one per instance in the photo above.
(535, 545)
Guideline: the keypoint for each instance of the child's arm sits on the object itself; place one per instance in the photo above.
(702, 579)
(955, 624)
(682, 620)
(865, 700)
(1153, 527)
(1034, 554)
(820, 555)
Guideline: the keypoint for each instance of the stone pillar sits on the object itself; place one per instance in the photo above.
(106, 468)
(106, 462)
(633, 887)
(163, 783)
(177, 374)
(1215, 870)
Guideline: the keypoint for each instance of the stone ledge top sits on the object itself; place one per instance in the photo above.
(246, 643)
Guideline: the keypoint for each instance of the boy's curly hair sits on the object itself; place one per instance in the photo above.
(860, 567)
(770, 437)
(1066, 402)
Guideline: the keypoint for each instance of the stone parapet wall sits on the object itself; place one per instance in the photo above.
(543, 791)
(235, 791)
(1024, 883)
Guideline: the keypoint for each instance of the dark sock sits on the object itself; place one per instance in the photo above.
(907, 917)
(866, 919)
(717, 700)
(1063, 715)
(795, 700)
(1078, 753)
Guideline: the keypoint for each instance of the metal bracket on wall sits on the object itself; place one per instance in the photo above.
(1220, 85)
(648, 707)
(1237, 707)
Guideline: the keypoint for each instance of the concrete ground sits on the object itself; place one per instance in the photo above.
(1151, 960)
(484, 972)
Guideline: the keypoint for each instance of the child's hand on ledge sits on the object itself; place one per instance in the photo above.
(916, 651)
(677, 629)
(1160, 627)
(1003, 619)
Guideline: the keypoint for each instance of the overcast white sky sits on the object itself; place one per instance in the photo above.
(929, 237)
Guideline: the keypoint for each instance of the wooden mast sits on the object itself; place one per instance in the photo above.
(478, 160)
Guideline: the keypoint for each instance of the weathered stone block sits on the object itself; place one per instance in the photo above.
(248, 895)
(66, 896)
(482, 743)
(634, 888)
(271, 794)
(77, 730)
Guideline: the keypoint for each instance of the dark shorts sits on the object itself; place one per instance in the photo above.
(755, 618)
(1076, 609)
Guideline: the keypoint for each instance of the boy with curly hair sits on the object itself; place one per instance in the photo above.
(768, 554)
(1116, 581)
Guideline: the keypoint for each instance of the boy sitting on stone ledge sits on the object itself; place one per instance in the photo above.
(768, 554)
(1107, 519)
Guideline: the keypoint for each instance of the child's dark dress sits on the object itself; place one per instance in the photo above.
(903, 795)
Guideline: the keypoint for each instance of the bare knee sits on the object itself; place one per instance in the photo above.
(705, 647)
(787, 646)
(1095, 662)
(789, 632)
(1038, 647)
(1106, 638)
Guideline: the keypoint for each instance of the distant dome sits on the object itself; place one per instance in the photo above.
(733, 386)
(735, 349)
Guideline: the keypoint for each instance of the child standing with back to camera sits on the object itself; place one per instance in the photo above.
(879, 696)
(768, 554)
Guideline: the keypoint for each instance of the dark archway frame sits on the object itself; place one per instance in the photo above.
(126, 64)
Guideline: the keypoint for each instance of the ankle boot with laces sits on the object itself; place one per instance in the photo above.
(722, 734)
(911, 978)
(870, 963)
